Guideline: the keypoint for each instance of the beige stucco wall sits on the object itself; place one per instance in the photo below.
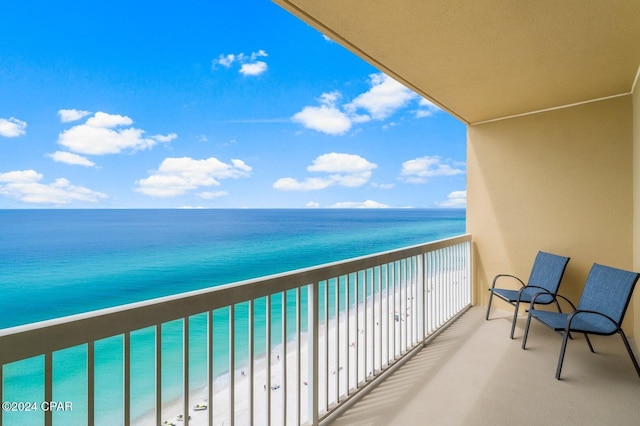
(559, 181)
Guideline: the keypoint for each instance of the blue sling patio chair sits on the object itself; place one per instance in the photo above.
(545, 277)
(601, 309)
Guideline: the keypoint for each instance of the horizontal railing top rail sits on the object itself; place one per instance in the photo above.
(29, 340)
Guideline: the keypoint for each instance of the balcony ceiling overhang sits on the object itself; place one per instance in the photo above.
(484, 60)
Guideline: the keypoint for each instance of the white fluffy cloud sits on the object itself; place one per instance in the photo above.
(250, 66)
(426, 108)
(108, 134)
(25, 186)
(71, 158)
(341, 163)
(308, 184)
(68, 115)
(12, 127)
(225, 60)
(343, 170)
(253, 69)
(420, 169)
(325, 119)
(177, 176)
(384, 98)
(368, 204)
(456, 199)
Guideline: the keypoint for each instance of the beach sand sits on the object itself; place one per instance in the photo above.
(332, 376)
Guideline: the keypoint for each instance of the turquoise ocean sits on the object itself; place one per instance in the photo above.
(55, 263)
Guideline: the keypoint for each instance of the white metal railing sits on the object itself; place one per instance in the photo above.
(291, 348)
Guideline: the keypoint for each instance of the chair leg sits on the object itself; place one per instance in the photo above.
(586, 336)
(558, 306)
(565, 339)
(526, 332)
(633, 358)
(489, 307)
(515, 317)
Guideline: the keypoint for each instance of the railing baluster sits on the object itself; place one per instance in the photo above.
(251, 360)
(314, 350)
(445, 286)
(1, 391)
(325, 326)
(48, 386)
(435, 310)
(447, 279)
(336, 309)
(421, 295)
(365, 331)
(459, 299)
(380, 316)
(210, 366)
(90, 384)
(389, 318)
(268, 358)
(419, 298)
(127, 378)
(370, 330)
(450, 300)
(298, 356)
(400, 280)
(232, 364)
(402, 301)
(284, 357)
(158, 373)
(440, 289)
(407, 299)
(185, 369)
(357, 326)
(449, 283)
(430, 293)
(396, 314)
(347, 321)
(410, 312)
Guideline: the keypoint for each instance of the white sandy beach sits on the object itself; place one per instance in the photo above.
(335, 381)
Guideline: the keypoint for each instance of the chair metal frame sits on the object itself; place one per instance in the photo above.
(514, 299)
(564, 323)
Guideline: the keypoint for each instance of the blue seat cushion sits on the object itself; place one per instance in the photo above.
(526, 296)
(582, 322)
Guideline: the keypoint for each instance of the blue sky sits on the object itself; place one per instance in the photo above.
(203, 104)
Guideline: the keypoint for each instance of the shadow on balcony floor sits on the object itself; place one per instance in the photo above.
(473, 374)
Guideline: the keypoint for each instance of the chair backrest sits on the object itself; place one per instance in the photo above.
(547, 271)
(608, 291)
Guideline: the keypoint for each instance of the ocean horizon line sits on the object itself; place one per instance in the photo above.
(237, 208)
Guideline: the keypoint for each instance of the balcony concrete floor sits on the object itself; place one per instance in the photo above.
(473, 374)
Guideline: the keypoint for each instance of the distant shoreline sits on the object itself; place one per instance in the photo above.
(221, 401)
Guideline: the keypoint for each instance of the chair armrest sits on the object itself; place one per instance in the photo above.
(493, 284)
(577, 312)
(555, 296)
(542, 291)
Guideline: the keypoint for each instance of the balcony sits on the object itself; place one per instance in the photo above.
(293, 348)
(473, 374)
(552, 103)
